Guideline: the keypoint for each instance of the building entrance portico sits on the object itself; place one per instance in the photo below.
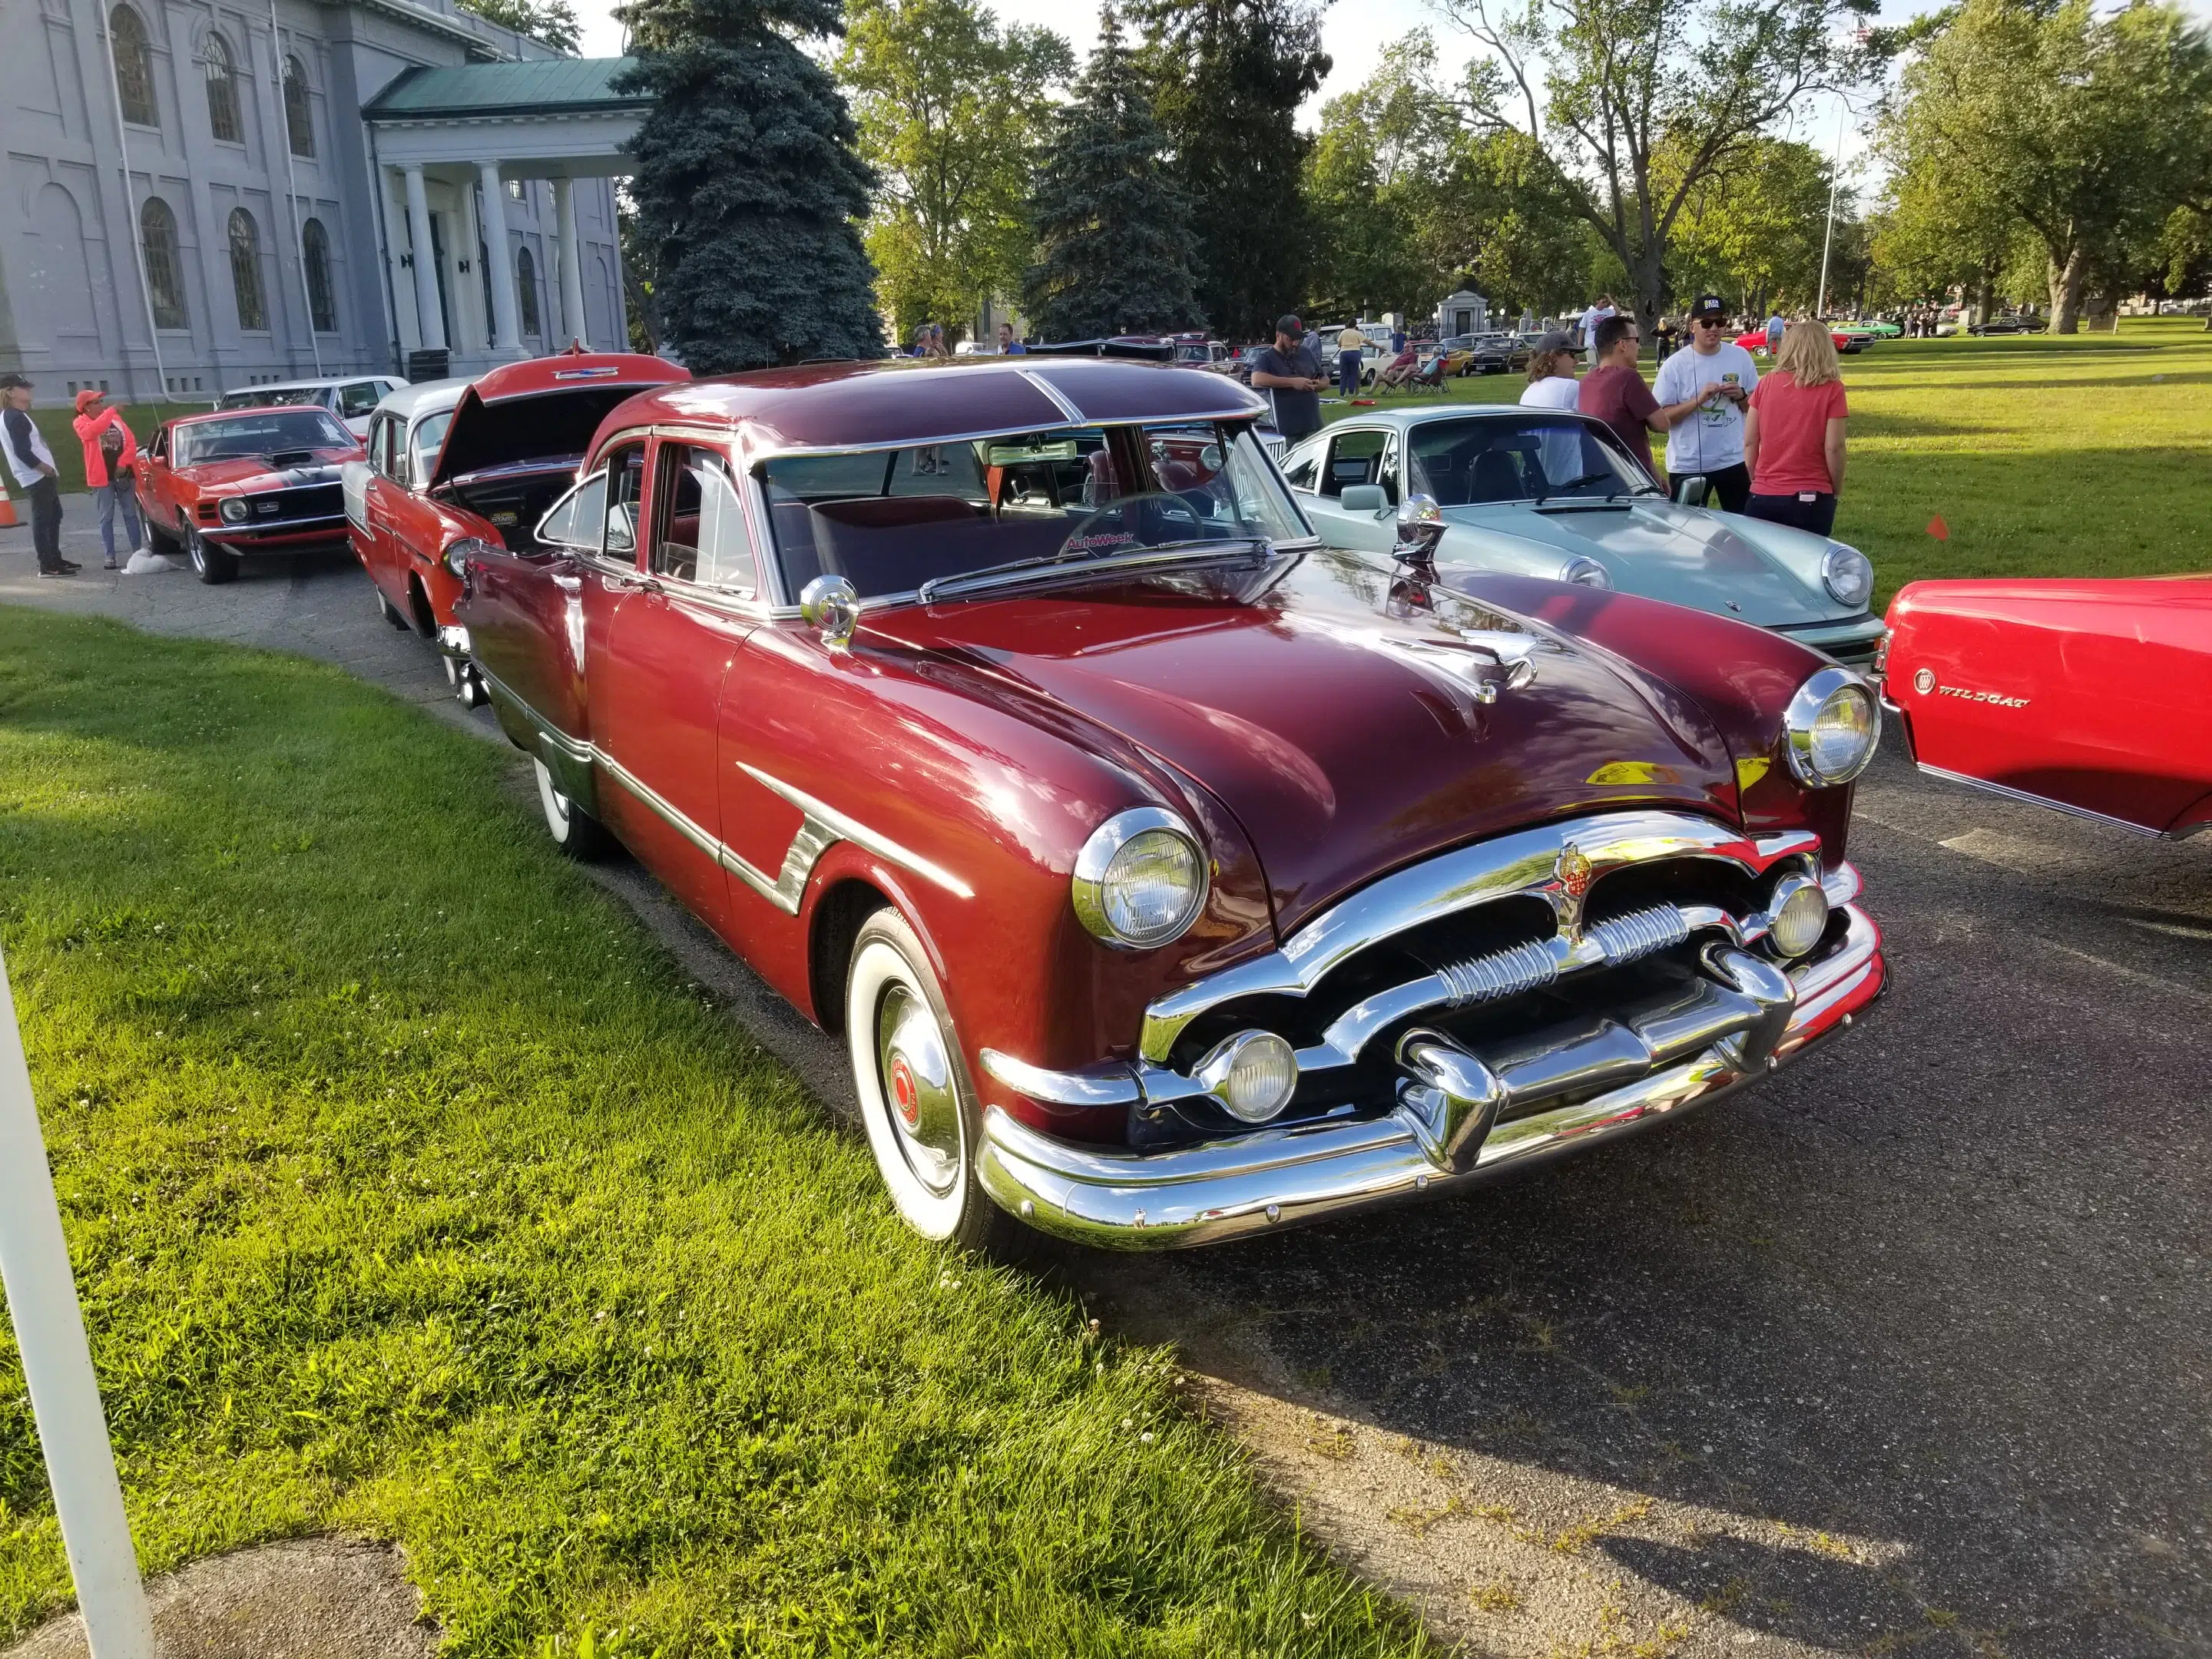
(471, 160)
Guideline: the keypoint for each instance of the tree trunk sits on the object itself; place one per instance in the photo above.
(1986, 282)
(2066, 291)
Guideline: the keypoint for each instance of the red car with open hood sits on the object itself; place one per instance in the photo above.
(217, 487)
(449, 462)
(1170, 876)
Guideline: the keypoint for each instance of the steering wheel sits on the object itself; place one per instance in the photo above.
(1151, 519)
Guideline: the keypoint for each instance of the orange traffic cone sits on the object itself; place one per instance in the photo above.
(7, 518)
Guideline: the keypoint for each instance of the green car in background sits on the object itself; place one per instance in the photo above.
(1543, 492)
(1879, 331)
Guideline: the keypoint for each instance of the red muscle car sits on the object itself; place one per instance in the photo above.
(455, 461)
(1170, 876)
(222, 485)
(1754, 339)
(2092, 696)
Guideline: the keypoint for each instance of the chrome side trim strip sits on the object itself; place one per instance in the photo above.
(2028, 799)
(1062, 1088)
(846, 828)
(1060, 400)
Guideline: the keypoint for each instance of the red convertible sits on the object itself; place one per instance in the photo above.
(222, 485)
(1170, 876)
(451, 461)
(2092, 696)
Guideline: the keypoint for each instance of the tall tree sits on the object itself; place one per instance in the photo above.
(2088, 130)
(1378, 165)
(1755, 231)
(1113, 232)
(951, 110)
(1603, 87)
(748, 191)
(549, 22)
(1229, 76)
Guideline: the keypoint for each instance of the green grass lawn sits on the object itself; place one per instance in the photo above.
(2088, 455)
(412, 1192)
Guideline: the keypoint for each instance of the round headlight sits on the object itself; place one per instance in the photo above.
(1848, 574)
(1831, 728)
(1141, 878)
(1797, 915)
(233, 510)
(1252, 1074)
(1585, 572)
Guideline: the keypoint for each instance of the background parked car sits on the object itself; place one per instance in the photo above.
(351, 397)
(2015, 325)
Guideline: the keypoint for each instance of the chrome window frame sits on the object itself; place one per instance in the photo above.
(677, 587)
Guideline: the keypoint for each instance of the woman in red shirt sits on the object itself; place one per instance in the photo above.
(1793, 437)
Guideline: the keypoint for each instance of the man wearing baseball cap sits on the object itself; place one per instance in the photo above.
(33, 464)
(111, 456)
(1290, 373)
(1708, 438)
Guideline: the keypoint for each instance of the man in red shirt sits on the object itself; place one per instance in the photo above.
(111, 454)
(1615, 393)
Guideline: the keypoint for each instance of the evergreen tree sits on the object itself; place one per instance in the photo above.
(1113, 232)
(1229, 76)
(749, 192)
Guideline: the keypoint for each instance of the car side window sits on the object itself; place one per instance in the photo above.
(625, 492)
(158, 449)
(573, 522)
(422, 447)
(357, 399)
(1354, 458)
(699, 533)
(1302, 470)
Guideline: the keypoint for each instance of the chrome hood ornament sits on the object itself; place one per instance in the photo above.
(1567, 890)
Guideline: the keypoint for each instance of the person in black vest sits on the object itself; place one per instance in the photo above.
(33, 464)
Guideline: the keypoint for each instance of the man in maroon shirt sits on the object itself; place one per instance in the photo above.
(1615, 393)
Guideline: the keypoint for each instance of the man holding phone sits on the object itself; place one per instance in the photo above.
(1290, 373)
(1707, 437)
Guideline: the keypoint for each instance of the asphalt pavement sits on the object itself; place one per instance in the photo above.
(1909, 1347)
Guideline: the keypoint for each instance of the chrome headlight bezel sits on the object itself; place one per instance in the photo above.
(1090, 886)
(234, 509)
(1583, 571)
(1848, 574)
(1800, 720)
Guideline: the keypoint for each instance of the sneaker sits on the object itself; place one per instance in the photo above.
(111, 565)
(70, 566)
(59, 570)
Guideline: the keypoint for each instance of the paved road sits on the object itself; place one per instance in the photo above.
(1911, 1347)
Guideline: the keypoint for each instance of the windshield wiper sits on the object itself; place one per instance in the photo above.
(993, 576)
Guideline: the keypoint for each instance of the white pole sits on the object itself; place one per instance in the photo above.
(57, 1364)
(1835, 179)
(283, 133)
(130, 210)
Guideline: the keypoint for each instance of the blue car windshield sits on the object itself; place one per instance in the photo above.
(1520, 456)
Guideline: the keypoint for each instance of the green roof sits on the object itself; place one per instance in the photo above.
(553, 86)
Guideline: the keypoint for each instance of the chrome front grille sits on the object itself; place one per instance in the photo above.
(1502, 974)
(1641, 933)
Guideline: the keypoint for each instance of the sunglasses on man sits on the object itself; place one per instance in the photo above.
(1707, 322)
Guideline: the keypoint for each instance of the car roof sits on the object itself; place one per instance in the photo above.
(306, 386)
(892, 403)
(199, 415)
(1402, 418)
(423, 398)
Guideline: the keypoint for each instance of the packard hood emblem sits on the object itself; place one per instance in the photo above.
(1569, 886)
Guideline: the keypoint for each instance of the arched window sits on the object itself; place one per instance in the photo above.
(299, 122)
(526, 279)
(221, 88)
(245, 269)
(315, 247)
(134, 66)
(157, 230)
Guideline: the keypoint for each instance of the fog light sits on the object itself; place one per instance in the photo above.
(233, 510)
(1253, 1075)
(1798, 915)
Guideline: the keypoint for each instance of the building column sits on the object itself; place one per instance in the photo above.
(572, 262)
(506, 327)
(429, 321)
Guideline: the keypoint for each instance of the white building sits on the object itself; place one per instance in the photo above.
(201, 195)
(1463, 313)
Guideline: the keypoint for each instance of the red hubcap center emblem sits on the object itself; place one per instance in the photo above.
(904, 1095)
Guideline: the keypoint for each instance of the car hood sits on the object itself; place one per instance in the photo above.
(544, 406)
(248, 473)
(1683, 555)
(1341, 716)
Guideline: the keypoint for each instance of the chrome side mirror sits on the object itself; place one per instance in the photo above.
(831, 604)
(1420, 527)
(1692, 491)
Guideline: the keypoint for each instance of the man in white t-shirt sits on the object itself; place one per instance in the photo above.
(1596, 314)
(1707, 438)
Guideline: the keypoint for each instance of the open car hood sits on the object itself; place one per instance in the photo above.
(1683, 555)
(547, 406)
(1340, 715)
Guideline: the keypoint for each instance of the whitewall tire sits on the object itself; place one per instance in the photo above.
(574, 831)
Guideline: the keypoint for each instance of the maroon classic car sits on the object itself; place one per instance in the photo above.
(1170, 876)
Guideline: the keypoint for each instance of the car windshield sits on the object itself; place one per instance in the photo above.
(890, 520)
(1519, 456)
(271, 434)
(271, 397)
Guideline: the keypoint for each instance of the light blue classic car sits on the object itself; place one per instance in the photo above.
(1541, 492)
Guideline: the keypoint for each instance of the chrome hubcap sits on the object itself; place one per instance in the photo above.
(917, 1082)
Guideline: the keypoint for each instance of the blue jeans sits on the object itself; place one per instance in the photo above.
(119, 491)
(1348, 374)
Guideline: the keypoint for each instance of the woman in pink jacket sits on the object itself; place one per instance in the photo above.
(110, 454)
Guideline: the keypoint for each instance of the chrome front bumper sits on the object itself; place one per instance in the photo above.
(1444, 1132)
